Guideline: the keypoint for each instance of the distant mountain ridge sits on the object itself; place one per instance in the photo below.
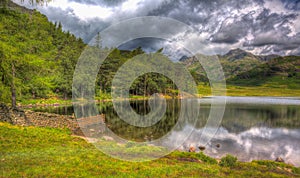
(244, 68)
(238, 54)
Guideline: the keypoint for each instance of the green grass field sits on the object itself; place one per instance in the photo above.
(48, 152)
(264, 90)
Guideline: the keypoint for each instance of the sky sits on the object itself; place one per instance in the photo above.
(261, 27)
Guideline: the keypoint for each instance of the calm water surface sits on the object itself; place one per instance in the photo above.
(252, 128)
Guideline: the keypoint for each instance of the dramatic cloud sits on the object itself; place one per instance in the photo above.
(260, 26)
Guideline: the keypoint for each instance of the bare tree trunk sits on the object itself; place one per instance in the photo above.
(65, 95)
(13, 88)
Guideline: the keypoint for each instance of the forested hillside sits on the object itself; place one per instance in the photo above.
(37, 58)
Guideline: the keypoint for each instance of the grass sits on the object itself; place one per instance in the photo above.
(261, 91)
(45, 101)
(49, 152)
(264, 90)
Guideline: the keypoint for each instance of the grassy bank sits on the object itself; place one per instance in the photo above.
(45, 101)
(264, 90)
(203, 90)
(48, 152)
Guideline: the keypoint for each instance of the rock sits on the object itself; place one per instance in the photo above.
(218, 145)
(13, 115)
(107, 138)
(5, 115)
(279, 159)
(18, 117)
(192, 149)
(201, 148)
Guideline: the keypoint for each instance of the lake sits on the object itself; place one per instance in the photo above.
(252, 128)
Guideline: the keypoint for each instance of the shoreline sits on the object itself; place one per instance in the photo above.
(49, 120)
(188, 153)
(70, 103)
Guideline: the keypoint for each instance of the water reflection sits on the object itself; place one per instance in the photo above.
(254, 144)
(265, 129)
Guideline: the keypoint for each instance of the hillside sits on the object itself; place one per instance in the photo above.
(281, 72)
(37, 58)
(246, 69)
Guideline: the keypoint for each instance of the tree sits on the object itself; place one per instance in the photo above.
(37, 2)
(34, 52)
(98, 41)
(4, 3)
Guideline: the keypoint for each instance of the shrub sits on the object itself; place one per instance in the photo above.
(205, 158)
(228, 161)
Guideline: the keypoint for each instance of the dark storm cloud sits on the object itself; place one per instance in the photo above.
(80, 28)
(279, 44)
(155, 44)
(291, 4)
(266, 20)
(204, 13)
(231, 33)
(270, 31)
(148, 44)
(227, 24)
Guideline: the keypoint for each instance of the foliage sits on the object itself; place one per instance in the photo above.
(144, 85)
(37, 58)
(228, 161)
(199, 156)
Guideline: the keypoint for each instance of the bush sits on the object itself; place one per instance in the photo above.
(205, 158)
(228, 161)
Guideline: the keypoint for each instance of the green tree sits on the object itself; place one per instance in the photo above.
(33, 54)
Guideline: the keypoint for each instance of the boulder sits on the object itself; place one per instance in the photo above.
(279, 159)
(201, 148)
(13, 115)
(192, 149)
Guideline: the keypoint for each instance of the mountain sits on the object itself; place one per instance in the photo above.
(281, 72)
(183, 58)
(244, 68)
(268, 57)
(239, 54)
